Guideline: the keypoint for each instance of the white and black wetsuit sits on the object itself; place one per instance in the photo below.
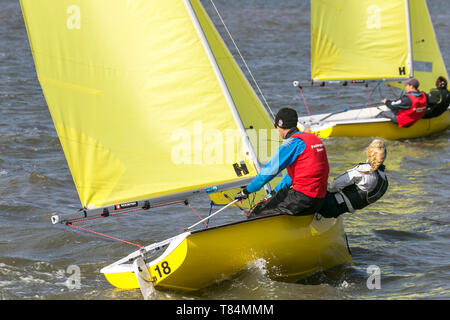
(353, 190)
(438, 103)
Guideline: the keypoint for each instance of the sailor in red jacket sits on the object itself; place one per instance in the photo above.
(409, 108)
(303, 188)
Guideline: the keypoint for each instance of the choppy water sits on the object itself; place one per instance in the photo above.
(406, 234)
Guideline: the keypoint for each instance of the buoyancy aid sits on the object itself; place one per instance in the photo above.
(438, 103)
(407, 118)
(359, 198)
(309, 172)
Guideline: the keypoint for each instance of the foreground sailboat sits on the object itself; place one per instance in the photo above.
(362, 42)
(151, 109)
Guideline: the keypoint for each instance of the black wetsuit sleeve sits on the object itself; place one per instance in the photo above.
(403, 103)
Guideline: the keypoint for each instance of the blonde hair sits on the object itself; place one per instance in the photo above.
(376, 154)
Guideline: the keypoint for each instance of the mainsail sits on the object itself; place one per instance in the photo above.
(374, 40)
(360, 40)
(140, 97)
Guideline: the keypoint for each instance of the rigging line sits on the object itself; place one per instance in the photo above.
(104, 235)
(242, 58)
(304, 100)
(368, 97)
(238, 206)
(210, 210)
(206, 224)
(393, 92)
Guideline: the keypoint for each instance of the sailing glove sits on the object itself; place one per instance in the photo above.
(242, 195)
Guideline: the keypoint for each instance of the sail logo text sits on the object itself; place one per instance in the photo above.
(74, 20)
(200, 146)
(374, 19)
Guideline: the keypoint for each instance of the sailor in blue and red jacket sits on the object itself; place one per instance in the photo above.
(303, 188)
(409, 108)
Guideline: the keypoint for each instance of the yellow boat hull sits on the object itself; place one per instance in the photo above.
(292, 248)
(384, 129)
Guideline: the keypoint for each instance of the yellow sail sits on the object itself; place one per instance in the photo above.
(254, 116)
(137, 103)
(257, 122)
(427, 59)
(359, 40)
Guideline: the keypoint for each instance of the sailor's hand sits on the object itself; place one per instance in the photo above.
(384, 101)
(270, 195)
(242, 195)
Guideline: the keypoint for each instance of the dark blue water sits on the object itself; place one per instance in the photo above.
(406, 234)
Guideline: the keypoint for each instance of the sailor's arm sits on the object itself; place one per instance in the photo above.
(344, 180)
(403, 103)
(285, 182)
(285, 156)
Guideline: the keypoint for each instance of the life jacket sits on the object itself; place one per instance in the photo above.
(309, 172)
(407, 118)
(438, 103)
(360, 199)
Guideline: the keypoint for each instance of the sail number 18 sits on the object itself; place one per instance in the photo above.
(164, 270)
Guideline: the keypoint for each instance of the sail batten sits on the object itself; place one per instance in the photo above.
(137, 104)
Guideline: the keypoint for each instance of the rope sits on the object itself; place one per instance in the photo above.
(71, 223)
(368, 96)
(199, 216)
(104, 235)
(240, 208)
(242, 58)
(304, 101)
(393, 92)
(377, 87)
(210, 210)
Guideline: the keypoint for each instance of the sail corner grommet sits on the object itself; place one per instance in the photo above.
(55, 219)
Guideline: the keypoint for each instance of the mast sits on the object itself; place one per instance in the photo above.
(249, 150)
(408, 32)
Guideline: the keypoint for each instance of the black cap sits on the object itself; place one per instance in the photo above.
(286, 118)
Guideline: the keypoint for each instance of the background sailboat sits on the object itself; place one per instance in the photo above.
(132, 94)
(362, 42)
